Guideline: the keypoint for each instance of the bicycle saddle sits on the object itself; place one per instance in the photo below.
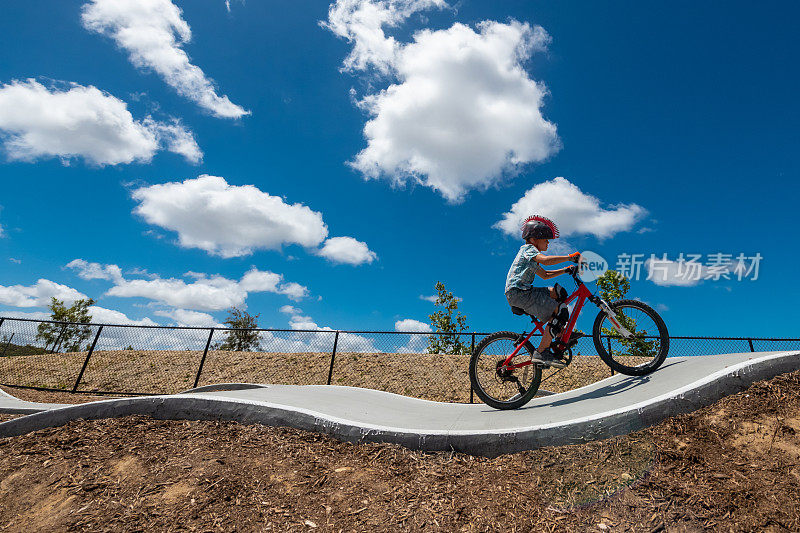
(518, 310)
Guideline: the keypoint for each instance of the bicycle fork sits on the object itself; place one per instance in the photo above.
(612, 316)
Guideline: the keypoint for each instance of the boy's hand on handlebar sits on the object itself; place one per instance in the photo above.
(571, 270)
(575, 257)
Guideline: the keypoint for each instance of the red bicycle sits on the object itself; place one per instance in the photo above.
(630, 337)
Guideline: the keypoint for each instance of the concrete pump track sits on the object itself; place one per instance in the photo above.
(614, 406)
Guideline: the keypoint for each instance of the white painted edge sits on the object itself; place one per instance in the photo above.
(4, 394)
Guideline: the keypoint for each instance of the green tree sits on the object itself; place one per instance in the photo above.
(614, 286)
(449, 322)
(73, 332)
(243, 336)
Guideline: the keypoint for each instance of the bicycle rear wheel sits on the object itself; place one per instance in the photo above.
(502, 388)
(644, 351)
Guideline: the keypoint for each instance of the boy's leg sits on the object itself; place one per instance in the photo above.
(558, 294)
(547, 338)
(559, 318)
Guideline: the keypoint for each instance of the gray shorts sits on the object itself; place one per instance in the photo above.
(535, 301)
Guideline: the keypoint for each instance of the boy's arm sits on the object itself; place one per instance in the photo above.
(556, 259)
(547, 274)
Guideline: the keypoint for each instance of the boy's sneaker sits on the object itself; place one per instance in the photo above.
(547, 359)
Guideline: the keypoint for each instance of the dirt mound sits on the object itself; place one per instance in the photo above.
(733, 465)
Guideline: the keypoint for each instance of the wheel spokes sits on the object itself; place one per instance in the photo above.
(644, 344)
(495, 379)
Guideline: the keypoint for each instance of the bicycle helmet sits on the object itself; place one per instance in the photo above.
(539, 227)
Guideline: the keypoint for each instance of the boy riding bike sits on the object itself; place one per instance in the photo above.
(505, 371)
(545, 303)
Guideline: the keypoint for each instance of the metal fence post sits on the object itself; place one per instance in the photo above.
(333, 356)
(203, 359)
(609, 352)
(86, 362)
(1, 322)
(471, 390)
(750, 342)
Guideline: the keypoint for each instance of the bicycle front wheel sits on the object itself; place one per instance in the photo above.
(497, 386)
(642, 352)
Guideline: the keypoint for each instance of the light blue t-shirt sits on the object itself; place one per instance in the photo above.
(523, 269)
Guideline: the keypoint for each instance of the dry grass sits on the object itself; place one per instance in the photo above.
(427, 376)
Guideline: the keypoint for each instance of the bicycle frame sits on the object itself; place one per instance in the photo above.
(581, 295)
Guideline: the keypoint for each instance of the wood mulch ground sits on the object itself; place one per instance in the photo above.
(729, 466)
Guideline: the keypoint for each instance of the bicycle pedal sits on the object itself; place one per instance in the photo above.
(552, 364)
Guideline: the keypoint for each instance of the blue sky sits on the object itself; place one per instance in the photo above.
(354, 153)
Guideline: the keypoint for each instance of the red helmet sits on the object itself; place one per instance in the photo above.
(539, 227)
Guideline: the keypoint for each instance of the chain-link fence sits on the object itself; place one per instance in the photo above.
(127, 359)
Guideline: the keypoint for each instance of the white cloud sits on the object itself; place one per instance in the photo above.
(432, 299)
(40, 122)
(185, 317)
(34, 315)
(86, 270)
(101, 315)
(667, 273)
(263, 281)
(176, 138)
(212, 294)
(260, 281)
(233, 221)
(290, 310)
(348, 342)
(409, 324)
(361, 23)
(300, 321)
(227, 220)
(347, 250)
(228, 4)
(574, 211)
(206, 293)
(463, 113)
(294, 291)
(38, 295)
(153, 33)
(416, 343)
(114, 338)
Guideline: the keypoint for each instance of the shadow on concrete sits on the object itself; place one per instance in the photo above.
(625, 384)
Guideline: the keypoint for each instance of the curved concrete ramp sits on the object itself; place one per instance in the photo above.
(614, 406)
(9, 404)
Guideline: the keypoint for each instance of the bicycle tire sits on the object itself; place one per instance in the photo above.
(636, 350)
(487, 383)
